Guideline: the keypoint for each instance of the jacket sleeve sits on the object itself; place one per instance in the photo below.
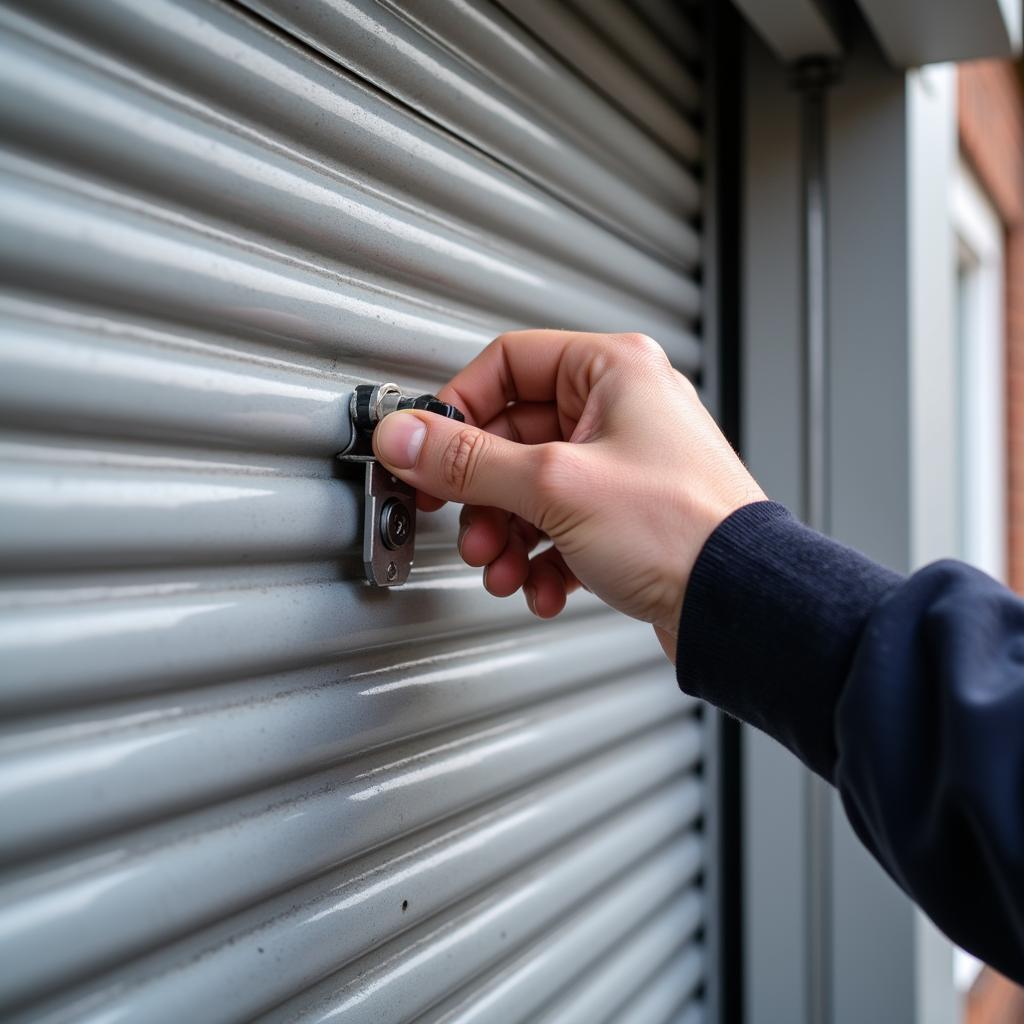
(906, 693)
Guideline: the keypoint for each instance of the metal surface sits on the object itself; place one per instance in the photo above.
(916, 32)
(389, 504)
(389, 527)
(794, 29)
(812, 79)
(235, 780)
(575, 31)
(519, 128)
(875, 969)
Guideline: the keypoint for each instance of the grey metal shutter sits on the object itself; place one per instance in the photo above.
(235, 780)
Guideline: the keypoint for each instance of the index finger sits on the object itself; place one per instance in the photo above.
(516, 366)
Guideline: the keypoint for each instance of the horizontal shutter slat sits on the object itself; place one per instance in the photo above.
(471, 936)
(254, 783)
(386, 50)
(187, 749)
(314, 929)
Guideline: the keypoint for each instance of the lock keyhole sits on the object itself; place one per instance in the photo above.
(395, 524)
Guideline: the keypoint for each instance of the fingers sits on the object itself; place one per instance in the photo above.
(427, 502)
(501, 543)
(527, 423)
(508, 572)
(549, 583)
(519, 366)
(483, 534)
(457, 462)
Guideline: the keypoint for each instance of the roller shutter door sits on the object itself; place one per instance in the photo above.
(235, 781)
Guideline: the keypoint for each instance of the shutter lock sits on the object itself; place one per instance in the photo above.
(389, 524)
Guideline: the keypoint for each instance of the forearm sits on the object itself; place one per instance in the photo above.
(771, 619)
(908, 694)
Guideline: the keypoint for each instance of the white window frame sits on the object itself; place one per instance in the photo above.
(981, 403)
(982, 375)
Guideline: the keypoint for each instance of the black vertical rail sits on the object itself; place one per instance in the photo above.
(724, 91)
(812, 79)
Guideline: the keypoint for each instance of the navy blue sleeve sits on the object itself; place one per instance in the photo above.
(906, 693)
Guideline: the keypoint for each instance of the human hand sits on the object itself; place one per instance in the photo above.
(593, 440)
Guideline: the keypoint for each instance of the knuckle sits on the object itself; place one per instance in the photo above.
(558, 486)
(643, 348)
(640, 343)
(685, 385)
(461, 458)
(554, 473)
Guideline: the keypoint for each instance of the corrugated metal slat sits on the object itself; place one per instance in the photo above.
(252, 82)
(186, 161)
(487, 38)
(388, 51)
(411, 973)
(666, 996)
(519, 989)
(314, 929)
(595, 997)
(672, 26)
(236, 855)
(629, 33)
(236, 781)
(184, 750)
(570, 31)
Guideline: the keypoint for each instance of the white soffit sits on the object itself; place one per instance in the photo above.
(913, 32)
(792, 28)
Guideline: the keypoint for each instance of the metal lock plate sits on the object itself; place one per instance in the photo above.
(389, 527)
(389, 522)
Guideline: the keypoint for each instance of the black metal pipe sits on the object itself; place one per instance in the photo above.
(812, 79)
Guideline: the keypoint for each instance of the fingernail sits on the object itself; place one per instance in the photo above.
(531, 597)
(399, 438)
(463, 530)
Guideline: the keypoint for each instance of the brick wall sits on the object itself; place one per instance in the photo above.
(991, 98)
(1015, 397)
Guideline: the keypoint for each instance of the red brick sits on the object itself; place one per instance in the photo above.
(991, 103)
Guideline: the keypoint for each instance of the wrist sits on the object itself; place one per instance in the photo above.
(699, 524)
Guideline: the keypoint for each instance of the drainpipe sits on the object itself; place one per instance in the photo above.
(812, 78)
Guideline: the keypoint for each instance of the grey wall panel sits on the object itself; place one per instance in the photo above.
(185, 161)
(644, 47)
(571, 31)
(235, 780)
(187, 749)
(672, 26)
(307, 930)
(496, 43)
(254, 83)
(236, 854)
(517, 990)
(473, 935)
(607, 983)
(669, 994)
(387, 50)
(108, 377)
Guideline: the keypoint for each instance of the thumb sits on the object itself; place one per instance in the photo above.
(455, 461)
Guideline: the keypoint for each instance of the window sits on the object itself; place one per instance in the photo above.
(981, 433)
(980, 410)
